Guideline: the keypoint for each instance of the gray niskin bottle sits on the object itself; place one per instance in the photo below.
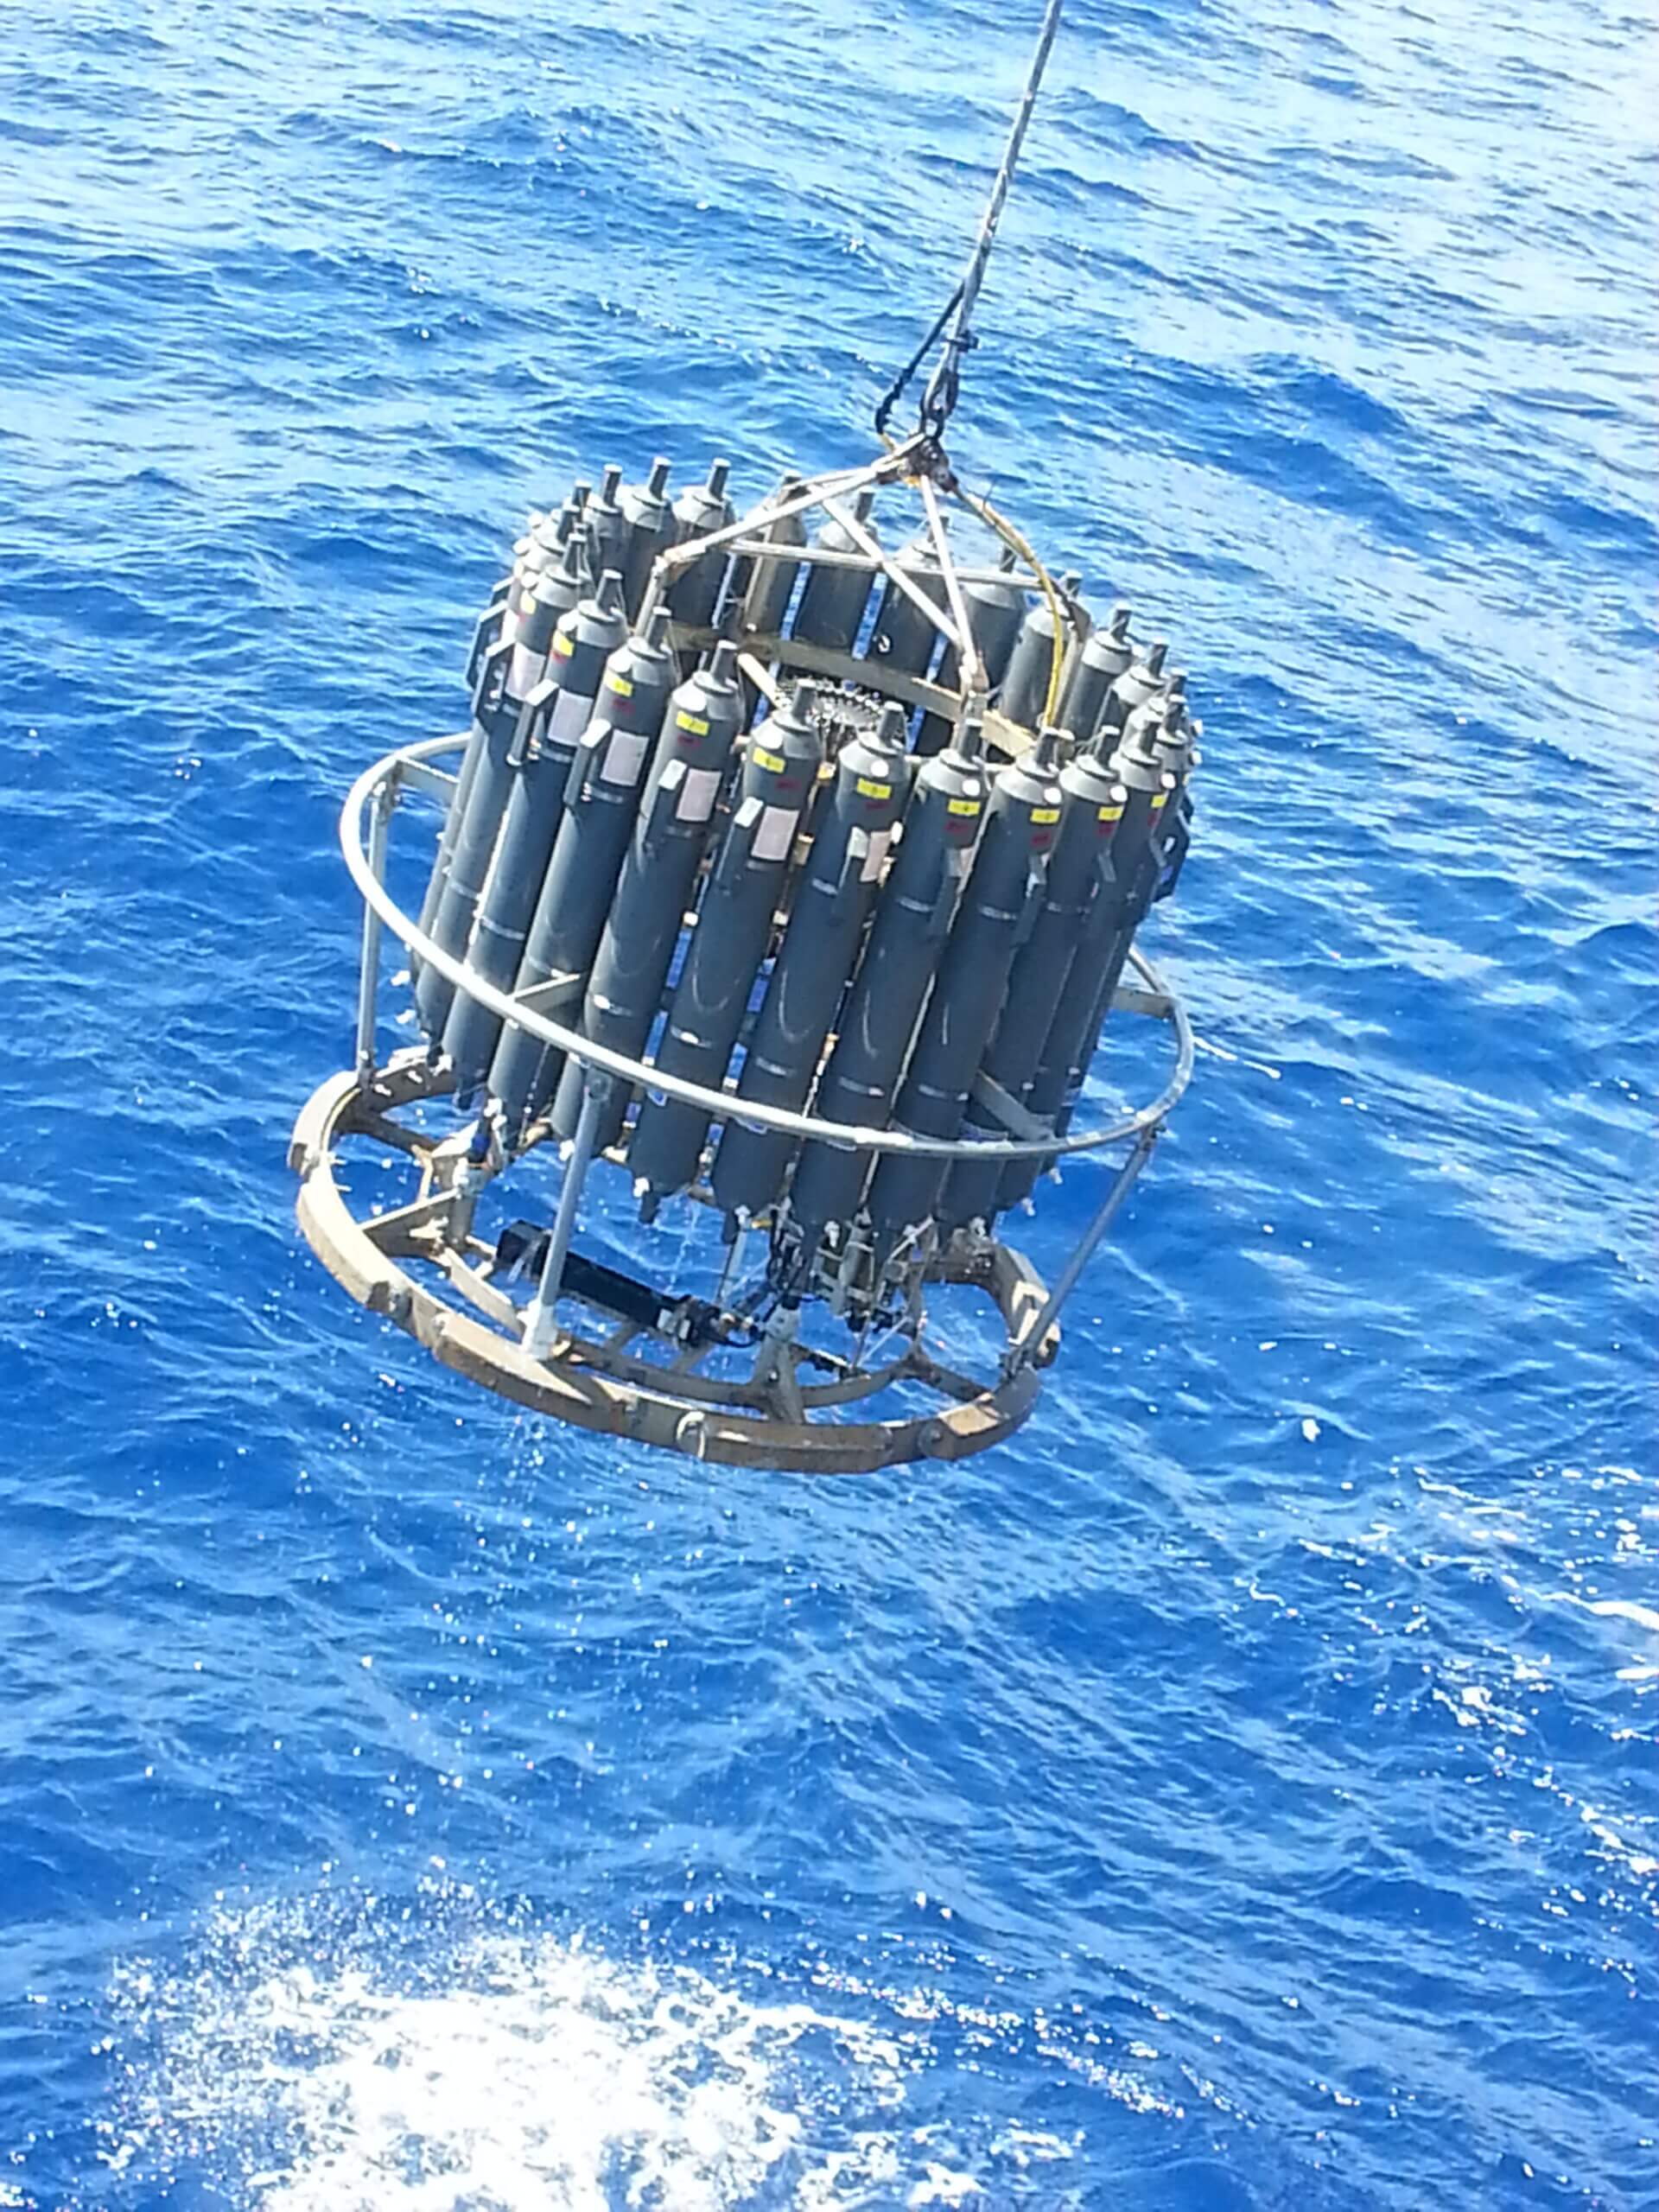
(703, 721)
(1148, 786)
(914, 910)
(491, 785)
(833, 600)
(587, 635)
(852, 830)
(902, 637)
(486, 664)
(1091, 806)
(648, 524)
(772, 583)
(728, 943)
(1025, 687)
(998, 906)
(607, 529)
(996, 607)
(1134, 688)
(699, 509)
(1096, 665)
(602, 797)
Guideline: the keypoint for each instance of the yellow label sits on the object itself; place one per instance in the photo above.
(1111, 814)
(765, 760)
(1045, 814)
(1159, 798)
(563, 646)
(695, 723)
(869, 789)
(962, 806)
(621, 686)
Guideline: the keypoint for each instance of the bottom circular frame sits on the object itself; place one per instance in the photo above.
(594, 1382)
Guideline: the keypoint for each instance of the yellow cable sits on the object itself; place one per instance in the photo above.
(1022, 550)
(1021, 547)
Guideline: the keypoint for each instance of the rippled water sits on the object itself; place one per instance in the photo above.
(1241, 1790)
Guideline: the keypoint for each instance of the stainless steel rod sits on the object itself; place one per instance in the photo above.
(1026, 1349)
(539, 1322)
(815, 493)
(826, 557)
(891, 568)
(975, 682)
(368, 978)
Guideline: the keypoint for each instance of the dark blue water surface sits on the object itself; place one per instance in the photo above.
(1240, 1791)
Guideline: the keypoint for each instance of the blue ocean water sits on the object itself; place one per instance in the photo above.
(1241, 1790)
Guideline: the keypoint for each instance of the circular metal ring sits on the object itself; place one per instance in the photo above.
(720, 1105)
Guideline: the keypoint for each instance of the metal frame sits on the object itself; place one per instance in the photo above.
(597, 1383)
(382, 909)
(594, 1382)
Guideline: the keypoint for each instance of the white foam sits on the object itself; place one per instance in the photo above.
(514, 2070)
(349, 2054)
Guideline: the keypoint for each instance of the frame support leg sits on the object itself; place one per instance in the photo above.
(368, 978)
(1029, 1344)
(539, 1322)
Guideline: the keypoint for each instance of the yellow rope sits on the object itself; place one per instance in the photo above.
(1057, 607)
(1022, 550)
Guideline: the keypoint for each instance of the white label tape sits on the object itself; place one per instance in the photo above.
(525, 672)
(572, 711)
(776, 835)
(697, 797)
(625, 758)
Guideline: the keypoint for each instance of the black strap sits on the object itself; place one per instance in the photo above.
(896, 390)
